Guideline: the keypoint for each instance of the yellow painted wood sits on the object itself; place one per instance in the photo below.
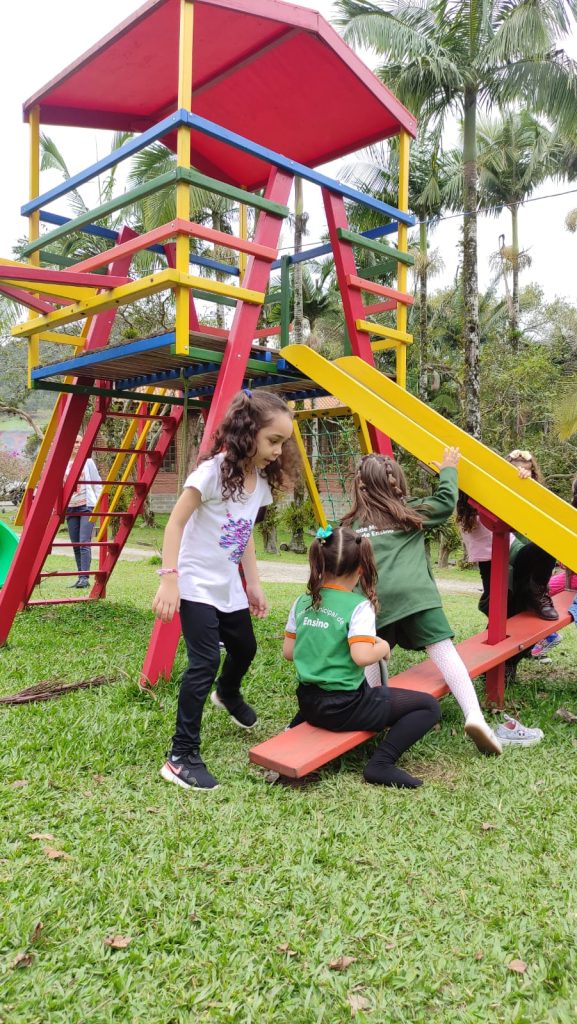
(115, 297)
(61, 339)
(525, 505)
(126, 293)
(219, 288)
(34, 218)
(309, 477)
(64, 291)
(363, 434)
(243, 232)
(182, 324)
(402, 240)
(135, 429)
(382, 331)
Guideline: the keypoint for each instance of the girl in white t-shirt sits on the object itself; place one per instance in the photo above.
(207, 538)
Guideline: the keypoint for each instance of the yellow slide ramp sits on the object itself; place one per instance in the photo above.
(528, 507)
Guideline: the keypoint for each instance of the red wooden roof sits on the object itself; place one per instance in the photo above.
(273, 72)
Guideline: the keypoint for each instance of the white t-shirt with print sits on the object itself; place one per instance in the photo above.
(215, 538)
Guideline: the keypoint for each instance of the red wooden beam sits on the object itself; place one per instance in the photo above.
(354, 281)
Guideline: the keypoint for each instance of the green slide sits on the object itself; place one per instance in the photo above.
(8, 543)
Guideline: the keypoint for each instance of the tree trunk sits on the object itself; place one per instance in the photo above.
(443, 556)
(300, 227)
(423, 319)
(470, 282)
(217, 225)
(514, 319)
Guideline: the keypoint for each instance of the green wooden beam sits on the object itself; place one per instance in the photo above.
(136, 396)
(380, 247)
(193, 177)
(379, 270)
(126, 199)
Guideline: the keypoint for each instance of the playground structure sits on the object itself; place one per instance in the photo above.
(222, 85)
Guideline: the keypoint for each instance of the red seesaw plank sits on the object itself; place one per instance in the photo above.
(301, 750)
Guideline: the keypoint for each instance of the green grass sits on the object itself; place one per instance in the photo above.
(213, 889)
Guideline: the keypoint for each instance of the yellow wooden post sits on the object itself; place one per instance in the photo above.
(309, 478)
(243, 232)
(403, 204)
(34, 223)
(183, 160)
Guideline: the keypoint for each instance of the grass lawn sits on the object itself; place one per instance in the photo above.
(237, 902)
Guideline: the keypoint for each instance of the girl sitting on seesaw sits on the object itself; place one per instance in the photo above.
(331, 637)
(410, 608)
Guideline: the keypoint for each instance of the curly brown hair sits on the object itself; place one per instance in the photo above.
(341, 554)
(379, 497)
(467, 516)
(248, 413)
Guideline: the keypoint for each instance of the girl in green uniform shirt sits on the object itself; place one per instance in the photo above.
(410, 609)
(331, 638)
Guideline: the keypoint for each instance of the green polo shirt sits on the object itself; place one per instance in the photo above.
(323, 637)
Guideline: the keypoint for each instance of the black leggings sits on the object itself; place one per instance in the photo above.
(407, 714)
(202, 628)
(532, 565)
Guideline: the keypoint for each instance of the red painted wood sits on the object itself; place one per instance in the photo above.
(354, 281)
(380, 307)
(43, 275)
(25, 299)
(353, 308)
(48, 504)
(303, 749)
(161, 651)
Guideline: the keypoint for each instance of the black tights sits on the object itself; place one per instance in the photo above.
(407, 714)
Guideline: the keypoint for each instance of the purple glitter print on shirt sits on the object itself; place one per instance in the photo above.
(235, 534)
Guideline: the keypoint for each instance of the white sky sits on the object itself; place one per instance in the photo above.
(38, 39)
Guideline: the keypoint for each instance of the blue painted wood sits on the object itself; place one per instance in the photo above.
(322, 250)
(74, 366)
(168, 124)
(216, 131)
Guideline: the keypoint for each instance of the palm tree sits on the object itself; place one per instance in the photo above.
(442, 58)
(515, 154)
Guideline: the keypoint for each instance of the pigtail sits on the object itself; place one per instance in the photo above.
(317, 571)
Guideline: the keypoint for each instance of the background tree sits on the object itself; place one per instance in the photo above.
(444, 59)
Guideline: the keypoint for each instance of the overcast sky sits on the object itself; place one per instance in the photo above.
(39, 39)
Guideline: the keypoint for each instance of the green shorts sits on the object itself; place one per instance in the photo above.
(415, 632)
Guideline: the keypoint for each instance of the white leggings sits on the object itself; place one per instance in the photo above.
(452, 667)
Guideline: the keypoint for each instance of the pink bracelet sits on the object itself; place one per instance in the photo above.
(166, 572)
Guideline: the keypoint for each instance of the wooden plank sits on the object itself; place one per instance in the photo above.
(301, 750)
(149, 188)
(231, 192)
(369, 243)
(378, 289)
(382, 331)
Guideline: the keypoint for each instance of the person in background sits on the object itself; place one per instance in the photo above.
(80, 526)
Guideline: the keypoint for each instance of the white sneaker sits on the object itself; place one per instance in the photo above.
(482, 735)
(514, 734)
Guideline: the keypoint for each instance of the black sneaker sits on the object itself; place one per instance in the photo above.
(83, 582)
(188, 771)
(239, 711)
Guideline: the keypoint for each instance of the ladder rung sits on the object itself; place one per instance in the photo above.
(100, 515)
(138, 415)
(63, 600)
(49, 575)
(125, 451)
(93, 544)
